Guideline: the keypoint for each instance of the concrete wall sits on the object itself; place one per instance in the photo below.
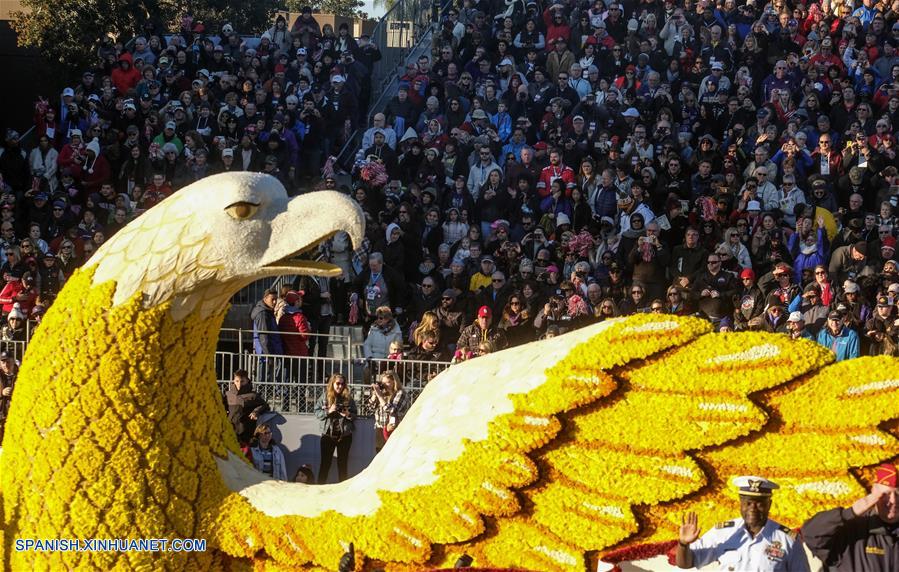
(299, 437)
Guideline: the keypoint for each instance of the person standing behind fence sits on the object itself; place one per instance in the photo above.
(319, 344)
(390, 402)
(266, 339)
(384, 332)
(336, 411)
(294, 325)
(295, 328)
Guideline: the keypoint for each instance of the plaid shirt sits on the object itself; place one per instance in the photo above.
(395, 408)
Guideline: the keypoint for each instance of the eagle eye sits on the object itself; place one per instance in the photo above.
(241, 210)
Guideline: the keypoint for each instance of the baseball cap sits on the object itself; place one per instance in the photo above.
(68, 92)
(485, 312)
(747, 273)
(171, 125)
(795, 317)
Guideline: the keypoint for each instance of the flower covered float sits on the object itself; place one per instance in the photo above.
(545, 456)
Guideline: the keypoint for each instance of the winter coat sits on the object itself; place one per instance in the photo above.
(240, 404)
(264, 341)
(377, 344)
(292, 323)
(125, 80)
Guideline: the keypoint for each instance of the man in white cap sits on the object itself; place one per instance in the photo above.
(796, 327)
(752, 542)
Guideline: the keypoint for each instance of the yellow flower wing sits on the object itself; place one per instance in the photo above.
(823, 427)
(632, 449)
(457, 459)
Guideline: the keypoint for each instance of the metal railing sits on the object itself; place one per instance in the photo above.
(15, 349)
(239, 340)
(291, 384)
(398, 33)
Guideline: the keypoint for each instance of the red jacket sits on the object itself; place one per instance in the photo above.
(125, 80)
(552, 31)
(549, 173)
(293, 324)
(10, 293)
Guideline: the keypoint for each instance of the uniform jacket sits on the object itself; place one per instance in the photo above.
(774, 549)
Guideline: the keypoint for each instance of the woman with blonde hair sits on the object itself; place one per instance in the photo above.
(336, 411)
(390, 402)
(606, 310)
(429, 322)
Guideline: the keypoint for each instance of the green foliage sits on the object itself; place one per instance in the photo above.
(347, 8)
(69, 31)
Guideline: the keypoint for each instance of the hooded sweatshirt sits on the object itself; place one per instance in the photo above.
(125, 78)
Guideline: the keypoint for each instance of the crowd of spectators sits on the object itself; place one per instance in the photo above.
(557, 164)
(547, 166)
(165, 111)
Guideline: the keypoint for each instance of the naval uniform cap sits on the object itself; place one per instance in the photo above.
(751, 486)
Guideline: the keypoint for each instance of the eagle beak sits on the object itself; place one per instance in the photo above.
(308, 221)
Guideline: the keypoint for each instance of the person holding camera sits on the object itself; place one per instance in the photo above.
(336, 412)
(390, 402)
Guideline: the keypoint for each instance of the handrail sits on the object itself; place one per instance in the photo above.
(347, 154)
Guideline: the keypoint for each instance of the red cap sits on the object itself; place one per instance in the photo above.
(293, 296)
(888, 242)
(485, 312)
(886, 475)
(541, 146)
(280, 68)
(747, 273)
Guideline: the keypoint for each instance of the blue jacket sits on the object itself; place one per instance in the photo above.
(606, 203)
(266, 339)
(845, 345)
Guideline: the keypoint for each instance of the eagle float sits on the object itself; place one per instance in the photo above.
(545, 456)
